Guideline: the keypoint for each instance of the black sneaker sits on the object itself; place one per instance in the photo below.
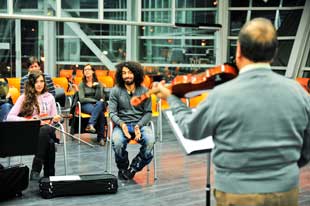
(34, 175)
(122, 174)
(130, 173)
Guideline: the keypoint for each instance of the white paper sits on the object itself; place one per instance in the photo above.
(189, 145)
(65, 178)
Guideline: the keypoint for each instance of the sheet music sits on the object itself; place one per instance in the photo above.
(189, 145)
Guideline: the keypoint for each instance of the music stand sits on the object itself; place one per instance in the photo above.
(194, 146)
(19, 137)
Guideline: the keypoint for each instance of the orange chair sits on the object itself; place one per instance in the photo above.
(67, 73)
(80, 115)
(63, 83)
(304, 82)
(112, 74)
(194, 101)
(109, 150)
(155, 114)
(107, 81)
(14, 82)
(77, 80)
(79, 73)
(14, 94)
(101, 72)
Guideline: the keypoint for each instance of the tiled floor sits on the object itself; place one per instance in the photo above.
(181, 178)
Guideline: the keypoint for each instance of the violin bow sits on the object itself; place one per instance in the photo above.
(66, 133)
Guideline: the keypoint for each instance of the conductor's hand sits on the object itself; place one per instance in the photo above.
(56, 118)
(163, 92)
(125, 130)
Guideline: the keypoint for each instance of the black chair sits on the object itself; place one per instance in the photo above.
(60, 96)
(19, 138)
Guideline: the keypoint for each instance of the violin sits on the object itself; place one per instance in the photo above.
(183, 84)
(46, 119)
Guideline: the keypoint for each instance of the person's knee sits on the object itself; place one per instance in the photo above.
(6, 106)
(100, 104)
(117, 141)
(148, 136)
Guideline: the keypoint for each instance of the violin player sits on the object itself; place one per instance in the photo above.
(37, 101)
(260, 123)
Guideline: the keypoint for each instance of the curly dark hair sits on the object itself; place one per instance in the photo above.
(134, 67)
(31, 103)
(95, 79)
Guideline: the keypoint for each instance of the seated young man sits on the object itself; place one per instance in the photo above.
(130, 122)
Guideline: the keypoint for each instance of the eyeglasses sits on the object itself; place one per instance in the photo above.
(88, 69)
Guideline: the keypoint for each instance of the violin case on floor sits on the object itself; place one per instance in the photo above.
(57, 186)
(13, 180)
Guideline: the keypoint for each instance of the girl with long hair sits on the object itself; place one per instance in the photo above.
(36, 102)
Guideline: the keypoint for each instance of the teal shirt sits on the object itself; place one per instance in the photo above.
(260, 123)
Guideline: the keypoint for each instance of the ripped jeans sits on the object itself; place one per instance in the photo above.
(119, 143)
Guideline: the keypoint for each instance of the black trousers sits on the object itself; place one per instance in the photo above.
(45, 151)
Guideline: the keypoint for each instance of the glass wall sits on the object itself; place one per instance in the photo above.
(178, 49)
(183, 49)
(285, 15)
(110, 39)
(306, 69)
(7, 51)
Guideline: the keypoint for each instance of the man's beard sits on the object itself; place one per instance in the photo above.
(128, 83)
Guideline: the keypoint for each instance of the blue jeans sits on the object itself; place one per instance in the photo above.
(4, 110)
(119, 143)
(97, 116)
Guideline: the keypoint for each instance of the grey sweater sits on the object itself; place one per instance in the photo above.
(121, 110)
(91, 94)
(260, 123)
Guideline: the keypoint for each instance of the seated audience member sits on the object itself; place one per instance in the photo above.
(35, 102)
(34, 65)
(92, 98)
(130, 122)
(6, 102)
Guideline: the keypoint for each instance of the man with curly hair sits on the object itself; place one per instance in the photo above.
(130, 122)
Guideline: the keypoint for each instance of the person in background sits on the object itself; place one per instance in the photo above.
(130, 122)
(32, 104)
(260, 123)
(92, 97)
(6, 102)
(33, 64)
